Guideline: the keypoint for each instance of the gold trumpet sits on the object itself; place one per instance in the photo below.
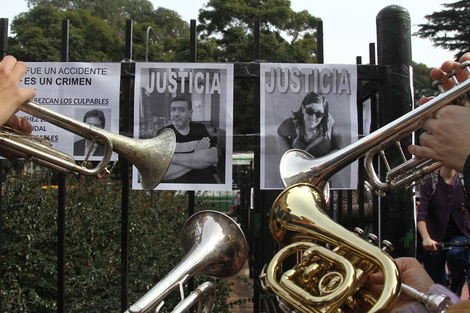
(152, 157)
(298, 166)
(328, 280)
(215, 245)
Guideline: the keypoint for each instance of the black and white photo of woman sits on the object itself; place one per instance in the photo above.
(311, 107)
(310, 128)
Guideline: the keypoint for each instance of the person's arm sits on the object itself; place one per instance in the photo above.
(195, 160)
(285, 132)
(176, 171)
(198, 159)
(448, 131)
(336, 138)
(423, 208)
(428, 243)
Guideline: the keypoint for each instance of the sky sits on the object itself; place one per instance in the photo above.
(348, 26)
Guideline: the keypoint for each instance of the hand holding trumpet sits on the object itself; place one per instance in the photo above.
(414, 275)
(12, 96)
(448, 135)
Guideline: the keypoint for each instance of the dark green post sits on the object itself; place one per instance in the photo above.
(395, 100)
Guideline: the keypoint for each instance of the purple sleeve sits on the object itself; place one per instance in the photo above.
(425, 193)
(466, 173)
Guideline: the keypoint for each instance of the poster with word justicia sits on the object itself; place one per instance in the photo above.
(311, 107)
(86, 92)
(195, 101)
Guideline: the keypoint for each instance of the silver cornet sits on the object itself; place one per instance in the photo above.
(214, 245)
(298, 166)
(152, 157)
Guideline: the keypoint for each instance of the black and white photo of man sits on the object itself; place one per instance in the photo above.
(195, 100)
(195, 157)
(95, 118)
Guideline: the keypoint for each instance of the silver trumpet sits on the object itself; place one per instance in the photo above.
(298, 166)
(152, 157)
(215, 245)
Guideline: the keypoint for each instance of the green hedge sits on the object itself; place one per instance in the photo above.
(93, 245)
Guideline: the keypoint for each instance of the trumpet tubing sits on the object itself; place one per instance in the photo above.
(214, 245)
(325, 280)
(298, 166)
(152, 157)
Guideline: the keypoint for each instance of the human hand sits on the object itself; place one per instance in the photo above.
(11, 95)
(204, 143)
(412, 274)
(429, 244)
(448, 133)
(20, 124)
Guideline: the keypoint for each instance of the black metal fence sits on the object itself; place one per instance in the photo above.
(375, 82)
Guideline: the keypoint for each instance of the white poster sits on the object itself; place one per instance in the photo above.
(87, 92)
(195, 100)
(310, 107)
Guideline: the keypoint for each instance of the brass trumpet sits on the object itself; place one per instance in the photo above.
(215, 245)
(152, 157)
(298, 166)
(327, 280)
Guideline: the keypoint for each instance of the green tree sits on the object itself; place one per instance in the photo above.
(285, 36)
(422, 82)
(93, 245)
(38, 36)
(232, 23)
(100, 25)
(116, 12)
(448, 28)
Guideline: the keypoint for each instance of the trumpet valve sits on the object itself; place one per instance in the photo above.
(387, 246)
(466, 66)
(373, 239)
(359, 232)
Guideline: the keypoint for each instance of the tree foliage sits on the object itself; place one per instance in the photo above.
(93, 245)
(285, 36)
(38, 36)
(448, 28)
(422, 82)
(116, 12)
(232, 23)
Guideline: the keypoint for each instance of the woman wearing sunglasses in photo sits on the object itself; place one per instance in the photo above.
(311, 128)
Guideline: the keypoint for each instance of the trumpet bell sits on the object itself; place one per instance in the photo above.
(152, 157)
(226, 238)
(214, 245)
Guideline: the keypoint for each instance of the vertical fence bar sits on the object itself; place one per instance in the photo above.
(191, 193)
(193, 59)
(64, 57)
(3, 37)
(320, 46)
(3, 53)
(125, 130)
(395, 94)
(373, 127)
(258, 208)
(360, 166)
